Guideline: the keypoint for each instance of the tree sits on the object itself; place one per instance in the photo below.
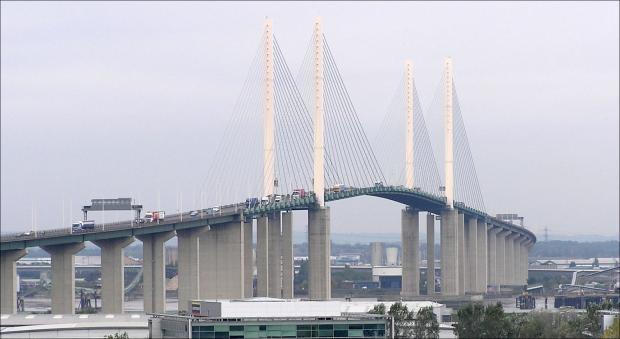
(425, 324)
(378, 309)
(478, 321)
(595, 263)
(117, 335)
(403, 320)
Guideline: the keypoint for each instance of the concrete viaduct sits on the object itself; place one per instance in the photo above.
(215, 249)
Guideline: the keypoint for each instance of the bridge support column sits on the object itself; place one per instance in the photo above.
(510, 260)
(449, 252)
(262, 265)
(319, 249)
(463, 274)
(526, 250)
(430, 254)
(8, 280)
(410, 227)
(471, 249)
(189, 265)
(154, 270)
(222, 271)
(481, 257)
(274, 253)
(517, 260)
(492, 256)
(63, 276)
(287, 255)
(501, 254)
(248, 262)
(113, 273)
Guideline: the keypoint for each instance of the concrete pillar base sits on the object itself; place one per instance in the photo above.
(262, 255)
(248, 263)
(113, 273)
(63, 276)
(274, 255)
(319, 250)
(449, 252)
(188, 265)
(154, 271)
(8, 280)
(410, 226)
(222, 273)
(430, 254)
(287, 255)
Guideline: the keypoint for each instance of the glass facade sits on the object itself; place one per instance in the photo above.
(366, 329)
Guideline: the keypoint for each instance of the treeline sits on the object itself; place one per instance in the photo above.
(574, 249)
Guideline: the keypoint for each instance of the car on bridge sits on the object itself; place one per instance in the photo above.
(193, 213)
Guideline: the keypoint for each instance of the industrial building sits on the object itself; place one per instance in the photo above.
(278, 318)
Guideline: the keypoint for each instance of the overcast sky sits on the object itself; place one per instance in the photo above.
(130, 99)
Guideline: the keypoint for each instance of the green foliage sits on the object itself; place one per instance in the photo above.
(426, 324)
(477, 321)
(409, 325)
(403, 320)
(117, 335)
(613, 331)
(378, 309)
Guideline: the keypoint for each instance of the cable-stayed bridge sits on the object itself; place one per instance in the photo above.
(294, 142)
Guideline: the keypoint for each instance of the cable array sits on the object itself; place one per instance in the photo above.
(467, 187)
(391, 142)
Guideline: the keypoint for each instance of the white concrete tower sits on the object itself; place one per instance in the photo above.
(409, 135)
(268, 114)
(448, 133)
(319, 123)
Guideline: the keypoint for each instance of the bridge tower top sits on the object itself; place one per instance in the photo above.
(268, 114)
(448, 132)
(319, 122)
(409, 135)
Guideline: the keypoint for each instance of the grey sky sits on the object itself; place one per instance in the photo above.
(130, 99)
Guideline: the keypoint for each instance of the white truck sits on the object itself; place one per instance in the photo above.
(153, 216)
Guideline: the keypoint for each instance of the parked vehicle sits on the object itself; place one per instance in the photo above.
(251, 202)
(298, 193)
(153, 216)
(84, 225)
(338, 188)
(265, 200)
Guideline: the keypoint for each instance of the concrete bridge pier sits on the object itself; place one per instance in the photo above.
(274, 255)
(481, 257)
(463, 272)
(319, 249)
(492, 256)
(189, 265)
(510, 259)
(449, 252)
(154, 270)
(471, 249)
(430, 254)
(248, 262)
(501, 253)
(113, 273)
(63, 276)
(410, 227)
(287, 255)
(222, 268)
(262, 256)
(8, 280)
